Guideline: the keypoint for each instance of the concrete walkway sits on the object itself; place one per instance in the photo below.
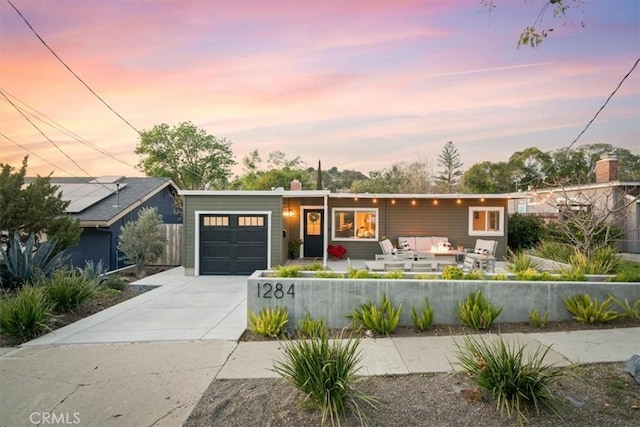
(148, 360)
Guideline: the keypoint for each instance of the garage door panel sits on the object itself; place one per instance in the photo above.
(233, 243)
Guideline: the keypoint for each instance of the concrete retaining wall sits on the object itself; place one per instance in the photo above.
(333, 299)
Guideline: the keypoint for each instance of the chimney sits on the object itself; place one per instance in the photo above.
(607, 168)
(296, 185)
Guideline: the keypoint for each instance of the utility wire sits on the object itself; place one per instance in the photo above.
(70, 70)
(35, 154)
(52, 123)
(45, 136)
(592, 119)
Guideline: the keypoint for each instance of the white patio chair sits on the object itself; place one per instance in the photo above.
(422, 266)
(394, 266)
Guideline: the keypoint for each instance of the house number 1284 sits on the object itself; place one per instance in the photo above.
(268, 290)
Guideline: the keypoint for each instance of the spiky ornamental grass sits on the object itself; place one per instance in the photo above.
(422, 319)
(587, 310)
(519, 384)
(27, 314)
(269, 322)
(325, 372)
(477, 312)
(382, 320)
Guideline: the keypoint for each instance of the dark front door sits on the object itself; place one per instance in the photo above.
(312, 240)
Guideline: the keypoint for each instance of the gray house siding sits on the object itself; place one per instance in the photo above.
(231, 203)
(446, 218)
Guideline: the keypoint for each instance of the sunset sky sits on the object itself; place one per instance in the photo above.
(356, 84)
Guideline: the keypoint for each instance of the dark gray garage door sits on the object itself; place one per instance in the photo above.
(233, 243)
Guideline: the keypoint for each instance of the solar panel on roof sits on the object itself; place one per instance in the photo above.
(82, 196)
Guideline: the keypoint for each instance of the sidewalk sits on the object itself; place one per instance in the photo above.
(402, 356)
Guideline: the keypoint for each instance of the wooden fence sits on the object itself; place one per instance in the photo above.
(173, 247)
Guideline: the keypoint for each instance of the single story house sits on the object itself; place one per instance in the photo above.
(103, 205)
(238, 232)
(607, 195)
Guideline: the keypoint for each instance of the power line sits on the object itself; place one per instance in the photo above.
(63, 129)
(45, 136)
(36, 154)
(70, 70)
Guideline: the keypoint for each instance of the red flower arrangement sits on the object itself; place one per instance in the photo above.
(336, 251)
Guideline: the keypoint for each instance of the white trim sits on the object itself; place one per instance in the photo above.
(355, 210)
(499, 209)
(198, 214)
(302, 219)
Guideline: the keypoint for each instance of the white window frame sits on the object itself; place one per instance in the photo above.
(486, 209)
(355, 212)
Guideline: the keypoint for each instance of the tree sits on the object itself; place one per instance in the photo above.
(319, 177)
(142, 241)
(280, 173)
(489, 178)
(36, 209)
(532, 35)
(449, 160)
(192, 158)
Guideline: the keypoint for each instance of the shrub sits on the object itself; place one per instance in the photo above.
(269, 322)
(26, 315)
(326, 274)
(629, 310)
(602, 261)
(114, 282)
(20, 265)
(325, 372)
(626, 276)
(499, 276)
(525, 231)
(477, 312)
(286, 271)
(67, 290)
(554, 251)
(586, 310)
(536, 320)
(142, 241)
(425, 276)
(314, 266)
(358, 273)
(337, 251)
(395, 274)
(451, 272)
(422, 320)
(312, 328)
(381, 320)
(535, 275)
(520, 261)
(518, 384)
(475, 275)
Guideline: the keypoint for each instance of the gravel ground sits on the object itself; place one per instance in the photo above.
(597, 395)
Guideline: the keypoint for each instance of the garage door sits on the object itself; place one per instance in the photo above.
(233, 243)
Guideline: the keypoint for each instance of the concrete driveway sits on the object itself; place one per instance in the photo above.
(182, 308)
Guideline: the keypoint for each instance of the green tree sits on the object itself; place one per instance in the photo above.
(489, 178)
(142, 241)
(449, 161)
(319, 177)
(192, 158)
(281, 171)
(37, 208)
(525, 231)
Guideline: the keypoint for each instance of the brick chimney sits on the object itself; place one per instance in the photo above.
(607, 168)
(296, 185)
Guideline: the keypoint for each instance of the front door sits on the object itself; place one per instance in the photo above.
(312, 239)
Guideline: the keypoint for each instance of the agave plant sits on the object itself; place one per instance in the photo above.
(19, 265)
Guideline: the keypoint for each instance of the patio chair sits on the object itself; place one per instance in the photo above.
(483, 256)
(394, 266)
(422, 266)
(389, 252)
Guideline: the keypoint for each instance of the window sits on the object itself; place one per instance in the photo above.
(216, 221)
(351, 223)
(485, 221)
(313, 224)
(250, 221)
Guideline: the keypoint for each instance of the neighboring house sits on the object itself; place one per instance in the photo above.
(238, 232)
(103, 205)
(607, 194)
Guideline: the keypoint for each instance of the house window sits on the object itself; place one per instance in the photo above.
(250, 221)
(216, 221)
(350, 223)
(486, 221)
